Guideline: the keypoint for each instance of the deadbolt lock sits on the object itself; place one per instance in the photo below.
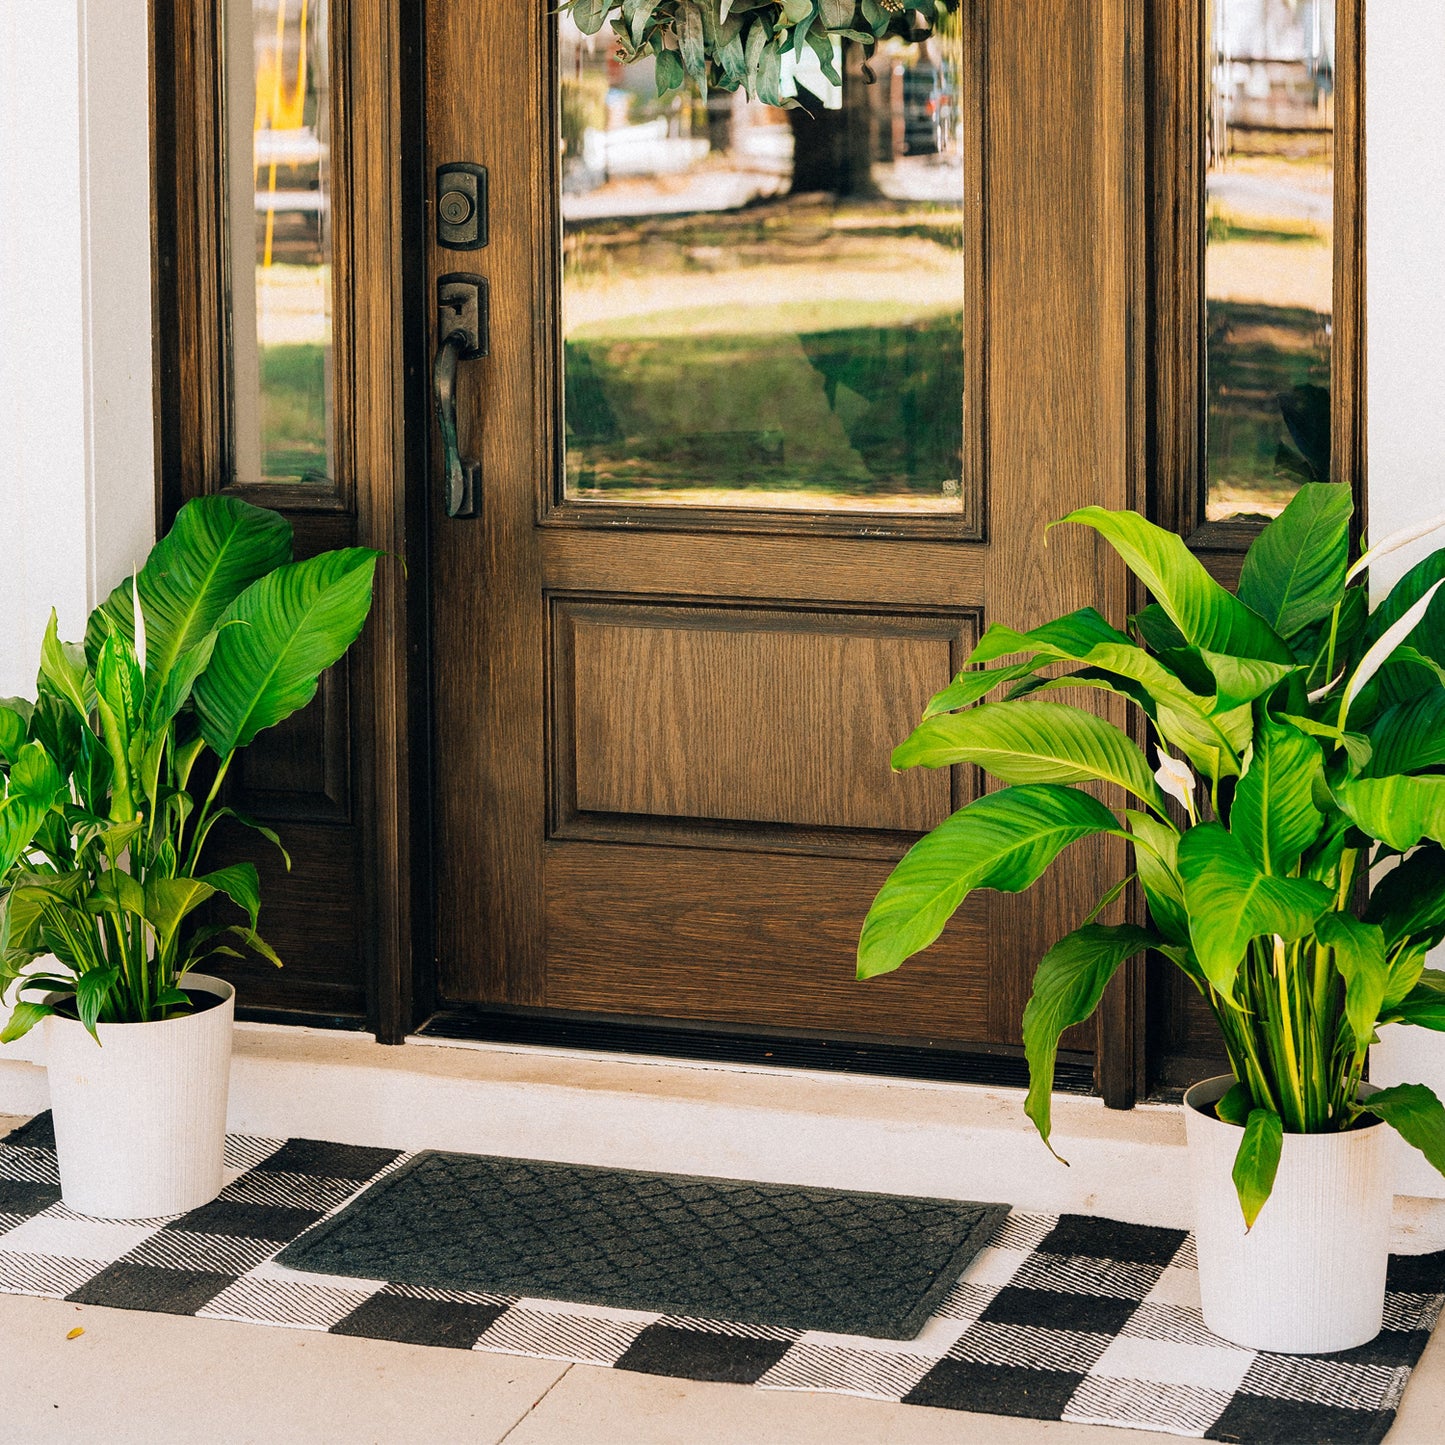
(461, 191)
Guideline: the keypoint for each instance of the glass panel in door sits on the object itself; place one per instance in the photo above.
(763, 307)
(278, 98)
(1269, 253)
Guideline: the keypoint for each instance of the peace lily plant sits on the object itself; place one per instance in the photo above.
(1299, 745)
(113, 775)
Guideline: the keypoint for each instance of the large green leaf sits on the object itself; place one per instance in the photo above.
(1389, 648)
(1424, 1005)
(1400, 811)
(62, 668)
(1409, 736)
(975, 683)
(216, 548)
(241, 884)
(1413, 1112)
(1230, 901)
(1359, 954)
(1295, 572)
(1073, 635)
(276, 640)
(1257, 1162)
(1068, 985)
(1206, 614)
(1410, 899)
(1003, 840)
(169, 901)
(1428, 634)
(1032, 742)
(1274, 815)
(1157, 864)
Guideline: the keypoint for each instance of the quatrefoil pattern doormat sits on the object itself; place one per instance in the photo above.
(1060, 1317)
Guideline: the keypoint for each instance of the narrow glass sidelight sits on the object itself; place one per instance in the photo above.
(1269, 143)
(763, 308)
(279, 222)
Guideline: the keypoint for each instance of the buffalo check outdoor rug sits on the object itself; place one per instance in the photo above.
(1061, 1317)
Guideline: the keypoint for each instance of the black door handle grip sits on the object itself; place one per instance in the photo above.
(462, 479)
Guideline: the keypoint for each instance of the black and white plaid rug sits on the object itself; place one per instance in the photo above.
(1062, 1317)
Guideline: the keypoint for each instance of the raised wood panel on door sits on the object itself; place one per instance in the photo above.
(745, 715)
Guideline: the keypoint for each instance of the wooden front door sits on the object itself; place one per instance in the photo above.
(775, 411)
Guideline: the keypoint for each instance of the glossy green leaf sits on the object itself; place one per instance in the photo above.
(170, 901)
(1206, 614)
(975, 683)
(1359, 955)
(1382, 651)
(1236, 1105)
(1409, 736)
(1400, 811)
(1274, 815)
(1429, 633)
(216, 547)
(241, 884)
(14, 730)
(23, 1017)
(1294, 573)
(1032, 742)
(1067, 988)
(276, 640)
(62, 666)
(1416, 1115)
(1230, 901)
(1002, 840)
(91, 991)
(1410, 898)
(1424, 1005)
(1156, 862)
(1257, 1162)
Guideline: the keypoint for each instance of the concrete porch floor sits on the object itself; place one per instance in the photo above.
(167, 1379)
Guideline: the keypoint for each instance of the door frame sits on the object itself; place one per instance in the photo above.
(376, 501)
(382, 499)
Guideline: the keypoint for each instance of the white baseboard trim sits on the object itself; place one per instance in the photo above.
(895, 1135)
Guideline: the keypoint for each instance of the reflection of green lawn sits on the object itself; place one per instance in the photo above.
(864, 410)
(293, 413)
(1255, 355)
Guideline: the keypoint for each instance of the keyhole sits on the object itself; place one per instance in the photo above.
(455, 207)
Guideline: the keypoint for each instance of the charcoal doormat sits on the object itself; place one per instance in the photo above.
(761, 1254)
(1060, 1317)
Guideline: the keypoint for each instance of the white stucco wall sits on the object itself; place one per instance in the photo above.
(76, 431)
(1405, 310)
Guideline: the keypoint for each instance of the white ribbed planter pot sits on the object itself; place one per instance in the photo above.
(140, 1119)
(1309, 1278)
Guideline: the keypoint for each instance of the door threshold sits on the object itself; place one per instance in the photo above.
(809, 1051)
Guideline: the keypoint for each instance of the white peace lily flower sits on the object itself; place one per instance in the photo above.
(1177, 779)
(140, 622)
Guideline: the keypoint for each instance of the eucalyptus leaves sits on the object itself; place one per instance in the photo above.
(102, 827)
(1300, 741)
(733, 44)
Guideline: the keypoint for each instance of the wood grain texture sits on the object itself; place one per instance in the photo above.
(766, 717)
(1061, 241)
(706, 930)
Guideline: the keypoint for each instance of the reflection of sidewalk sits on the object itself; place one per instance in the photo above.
(1272, 198)
(702, 190)
(922, 178)
(912, 178)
